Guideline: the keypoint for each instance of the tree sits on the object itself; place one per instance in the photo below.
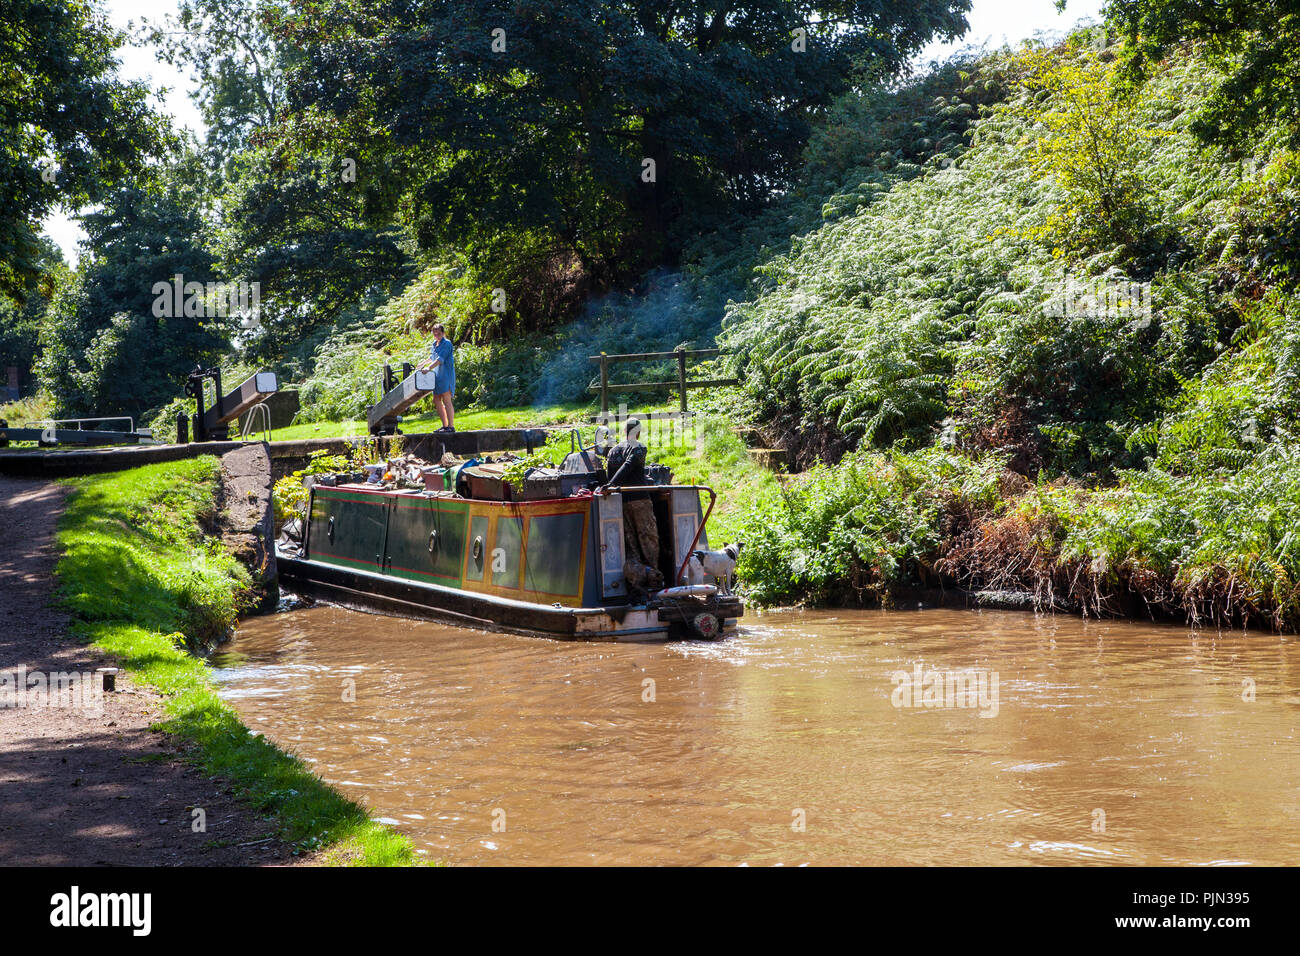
(620, 128)
(105, 349)
(301, 230)
(1092, 137)
(293, 223)
(20, 323)
(1257, 42)
(68, 125)
(238, 67)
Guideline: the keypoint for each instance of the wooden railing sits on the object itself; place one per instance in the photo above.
(683, 384)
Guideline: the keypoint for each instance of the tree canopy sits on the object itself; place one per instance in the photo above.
(104, 347)
(1258, 41)
(69, 125)
(619, 129)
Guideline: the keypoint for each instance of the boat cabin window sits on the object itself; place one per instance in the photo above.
(555, 554)
(507, 546)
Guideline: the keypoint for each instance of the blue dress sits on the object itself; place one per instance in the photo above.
(444, 376)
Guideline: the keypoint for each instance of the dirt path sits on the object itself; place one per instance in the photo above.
(94, 789)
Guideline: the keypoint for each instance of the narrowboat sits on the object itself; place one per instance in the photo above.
(551, 566)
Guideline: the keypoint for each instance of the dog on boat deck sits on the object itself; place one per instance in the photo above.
(719, 565)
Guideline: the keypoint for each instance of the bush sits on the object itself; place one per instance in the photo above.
(855, 531)
(928, 296)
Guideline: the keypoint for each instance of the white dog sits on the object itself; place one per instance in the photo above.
(720, 565)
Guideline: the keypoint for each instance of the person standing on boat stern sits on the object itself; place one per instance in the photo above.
(626, 466)
(443, 363)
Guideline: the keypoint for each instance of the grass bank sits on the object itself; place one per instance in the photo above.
(144, 584)
(1215, 549)
(522, 416)
(718, 458)
(711, 453)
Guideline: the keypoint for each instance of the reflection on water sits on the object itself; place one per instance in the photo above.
(1112, 742)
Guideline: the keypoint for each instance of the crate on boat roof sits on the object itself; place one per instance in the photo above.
(486, 482)
(541, 483)
(435, 477)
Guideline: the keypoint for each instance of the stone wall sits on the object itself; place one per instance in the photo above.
(245, 520)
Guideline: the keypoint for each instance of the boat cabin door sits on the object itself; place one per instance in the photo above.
(686, 519)
(610, 544)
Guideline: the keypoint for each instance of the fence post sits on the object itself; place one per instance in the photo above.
(604, 383)
(681, 376)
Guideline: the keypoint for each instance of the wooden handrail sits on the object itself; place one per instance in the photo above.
(691, 383)
(682, 384)
(648, 356)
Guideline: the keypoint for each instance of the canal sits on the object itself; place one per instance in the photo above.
(911, 737)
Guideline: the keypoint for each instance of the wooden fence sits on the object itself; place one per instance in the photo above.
(683, 384)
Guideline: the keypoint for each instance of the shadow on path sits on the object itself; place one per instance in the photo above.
(94, 786)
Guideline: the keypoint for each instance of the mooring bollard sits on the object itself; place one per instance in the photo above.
(109, 678)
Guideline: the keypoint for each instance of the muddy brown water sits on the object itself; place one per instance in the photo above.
(792, 742)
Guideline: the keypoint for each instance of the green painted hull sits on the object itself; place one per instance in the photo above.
(550, 567)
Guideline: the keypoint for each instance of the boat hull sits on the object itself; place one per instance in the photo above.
(381, 593)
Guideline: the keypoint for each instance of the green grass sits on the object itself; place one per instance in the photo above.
(523, 416)
(714, 456)
(144, 584)
(719, 459)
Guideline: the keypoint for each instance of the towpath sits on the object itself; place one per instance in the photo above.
(85, 788)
